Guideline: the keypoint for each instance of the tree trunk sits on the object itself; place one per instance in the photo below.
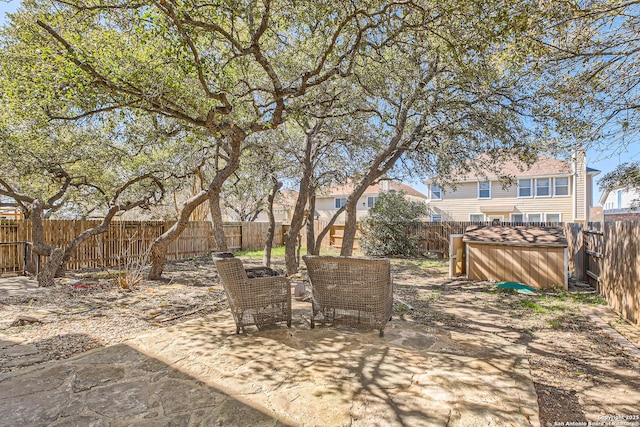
(350, 224)
(326, 229)
(311, 239)
(271, 231)
(159, 247)
(48, 272)
(216, 221)
(291, 258)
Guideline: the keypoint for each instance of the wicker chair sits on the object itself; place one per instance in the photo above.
(260, 301)
(351, 291)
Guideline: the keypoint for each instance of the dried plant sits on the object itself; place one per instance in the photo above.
(130, 266)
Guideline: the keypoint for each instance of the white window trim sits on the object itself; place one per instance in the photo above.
(478, 193)
(550, 188)
(524, 217)
(437, 215)
(531, 188)
(339, 198)
(553, 213)
(478, 213)
(374, 198)
(535, 213)
(431, 192)
(568, 187)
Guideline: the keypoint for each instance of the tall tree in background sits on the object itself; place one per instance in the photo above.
(452, 87)
(597, 55)
(229, 68)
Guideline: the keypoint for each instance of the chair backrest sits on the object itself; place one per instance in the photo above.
(370, 274)
(232, 274)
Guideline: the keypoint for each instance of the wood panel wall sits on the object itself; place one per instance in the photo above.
(540, 267)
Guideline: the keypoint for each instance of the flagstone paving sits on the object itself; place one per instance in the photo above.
(201, 373)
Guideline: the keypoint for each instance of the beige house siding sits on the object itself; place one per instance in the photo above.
(325, 206)
(459, 204)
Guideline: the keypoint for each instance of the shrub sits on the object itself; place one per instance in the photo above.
(385, 230)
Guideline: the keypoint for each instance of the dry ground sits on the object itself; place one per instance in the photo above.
(580, 372)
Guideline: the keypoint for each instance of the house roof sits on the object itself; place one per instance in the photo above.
(625, 189)
(515, 236)
(345, 190)
(543, 166)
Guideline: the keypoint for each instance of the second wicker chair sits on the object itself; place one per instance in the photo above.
(351, 291)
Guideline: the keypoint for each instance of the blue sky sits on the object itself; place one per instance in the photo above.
(601, 158)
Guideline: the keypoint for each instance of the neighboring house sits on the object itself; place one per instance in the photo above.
(620, 204)
(334, 198)
(282, 207)
(550, 190)
(9, 209)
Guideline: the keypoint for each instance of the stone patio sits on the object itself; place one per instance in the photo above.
(201, 373)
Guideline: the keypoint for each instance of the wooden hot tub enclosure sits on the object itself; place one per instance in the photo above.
(535, 256)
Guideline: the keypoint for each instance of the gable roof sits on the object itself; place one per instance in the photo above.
(375, 189)
(625, 189)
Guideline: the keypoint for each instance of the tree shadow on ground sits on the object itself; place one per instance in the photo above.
(119, 385)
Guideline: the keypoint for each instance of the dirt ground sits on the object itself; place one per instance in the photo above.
(580, 372)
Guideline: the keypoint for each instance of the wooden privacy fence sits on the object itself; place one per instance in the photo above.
(125, 241)
(433, 237)
(612, 264)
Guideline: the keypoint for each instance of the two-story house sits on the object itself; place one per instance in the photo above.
(328, 202)
(550, 190)
(620, 204)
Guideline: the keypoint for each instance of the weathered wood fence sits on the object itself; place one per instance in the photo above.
(611, 262)
(125, 241)
(607, 255)
(433, 237)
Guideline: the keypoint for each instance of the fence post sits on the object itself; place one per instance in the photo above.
(579, 259)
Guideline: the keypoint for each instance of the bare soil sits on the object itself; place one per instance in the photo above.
(580, 373)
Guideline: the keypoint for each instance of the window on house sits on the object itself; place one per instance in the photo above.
(517, 217)
(484, 190)
(524, 188)
(552, 217)
(534, 217)
(476, 217)
(561, 186)
(371, 201)
(543, 187)
(436, 192)
(340, 202)
(436, 217)
(619, 199)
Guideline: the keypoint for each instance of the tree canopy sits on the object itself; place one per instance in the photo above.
(363, 90)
